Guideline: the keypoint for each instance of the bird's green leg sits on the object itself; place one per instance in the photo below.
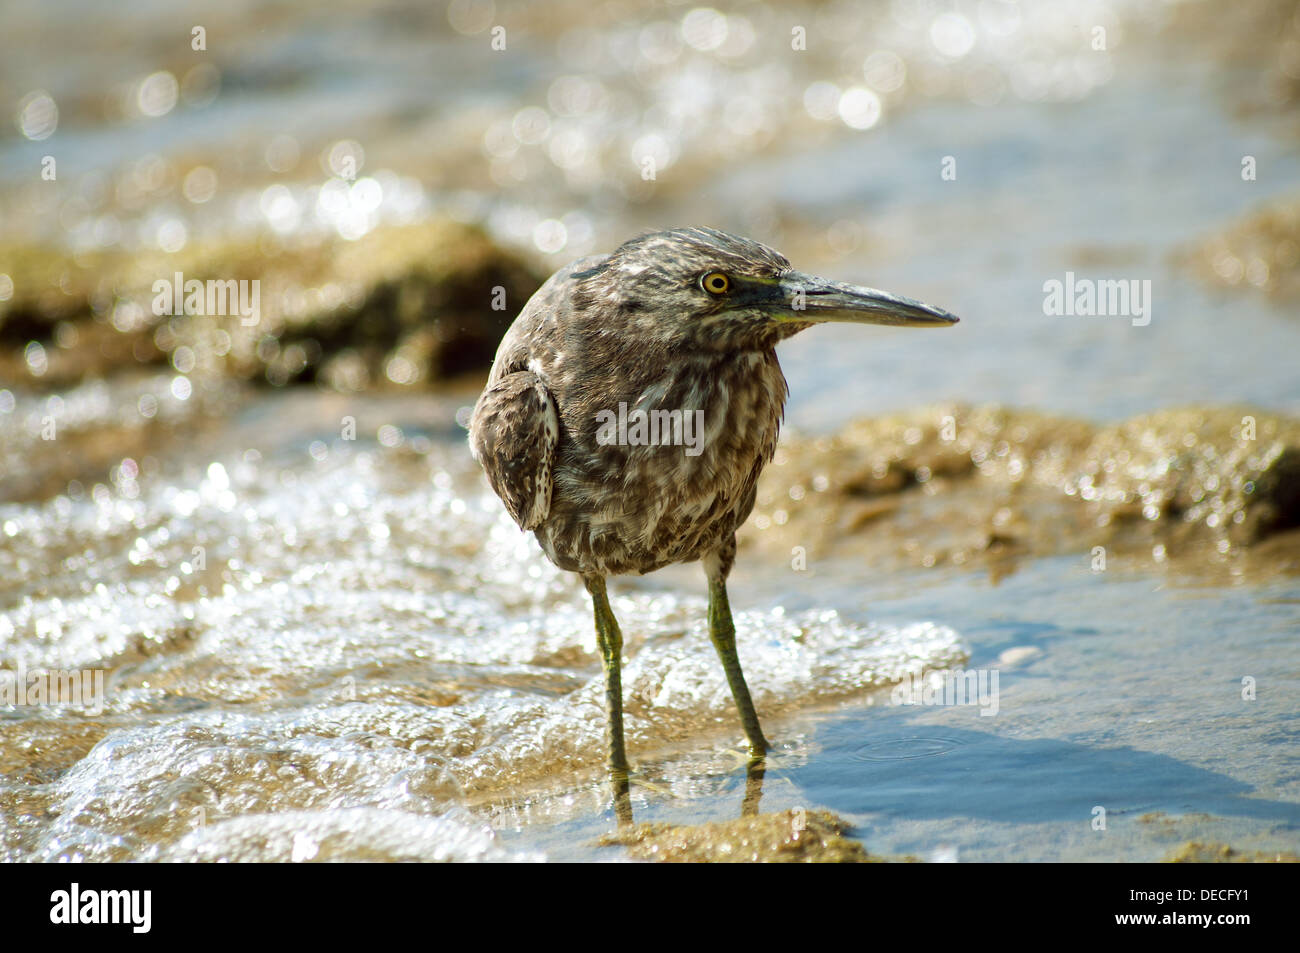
(723, 633)
(609, 638)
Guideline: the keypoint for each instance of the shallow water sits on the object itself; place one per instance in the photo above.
(372, 650)
(1119, 691)
(346, 625)
(320, 648)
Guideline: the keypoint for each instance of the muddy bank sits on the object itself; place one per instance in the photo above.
(786, 837)
(986, 486)
(402, 305)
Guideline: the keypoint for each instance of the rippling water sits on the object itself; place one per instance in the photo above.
(347, 625)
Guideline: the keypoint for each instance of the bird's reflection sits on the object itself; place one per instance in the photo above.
(755, 769)
(754, 772)
(622, 798)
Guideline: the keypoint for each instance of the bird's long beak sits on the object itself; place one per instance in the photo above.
(810, 298)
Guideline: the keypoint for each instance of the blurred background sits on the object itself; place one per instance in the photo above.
(317, 619)
(1103, 138)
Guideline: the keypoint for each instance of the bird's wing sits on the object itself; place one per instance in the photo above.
(513, 434)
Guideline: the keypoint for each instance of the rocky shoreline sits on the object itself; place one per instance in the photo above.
(1199, 487)
(399, 306)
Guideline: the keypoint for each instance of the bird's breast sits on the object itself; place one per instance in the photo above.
(663, 471)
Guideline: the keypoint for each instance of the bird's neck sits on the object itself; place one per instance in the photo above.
(737, 382)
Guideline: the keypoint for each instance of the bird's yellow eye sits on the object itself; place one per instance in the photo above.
(716, 283)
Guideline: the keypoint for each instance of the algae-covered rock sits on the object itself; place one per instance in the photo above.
(400, 305)
(787, 837)
(1196, 852)
(956, 484)
(1236, 474)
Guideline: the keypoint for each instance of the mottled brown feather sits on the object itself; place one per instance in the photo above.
(513, 435)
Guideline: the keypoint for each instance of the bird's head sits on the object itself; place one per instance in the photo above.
(704, 289)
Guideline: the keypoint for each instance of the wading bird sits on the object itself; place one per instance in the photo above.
(671, 324)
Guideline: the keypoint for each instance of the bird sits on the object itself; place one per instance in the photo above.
(631, 407)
